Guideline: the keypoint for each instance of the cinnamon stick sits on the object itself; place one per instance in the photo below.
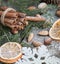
(9, 14)
(9, 21)
(10, 26)
(14, 14)
(21, 15)
(23, 21)
(37, 19)
(12, 23)
(17, 27)
(14, 20)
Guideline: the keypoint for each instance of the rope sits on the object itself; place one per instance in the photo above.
(4, 13)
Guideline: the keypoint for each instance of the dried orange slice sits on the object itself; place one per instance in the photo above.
(10, 52)
(55, 30)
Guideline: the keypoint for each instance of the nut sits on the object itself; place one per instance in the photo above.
(43, 33)
(58, 13)
(31, 8)
(42, 6)
(30, 37)
(47, 41)
(36, 44)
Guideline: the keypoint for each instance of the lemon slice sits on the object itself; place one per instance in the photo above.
(10, 52)
(55, 30)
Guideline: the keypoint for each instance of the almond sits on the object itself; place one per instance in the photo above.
(47, 41)
(32, 8)
(43, 33)
(58, 13)
(36, 44)
(30, 37)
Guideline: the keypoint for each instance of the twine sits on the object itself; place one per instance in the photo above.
(4, 13)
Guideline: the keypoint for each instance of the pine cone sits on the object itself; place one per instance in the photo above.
(51, 1)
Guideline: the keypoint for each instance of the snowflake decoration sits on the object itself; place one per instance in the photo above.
(38, 55)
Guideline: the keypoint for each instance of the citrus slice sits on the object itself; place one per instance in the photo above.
(10, 52)
(55, 30)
